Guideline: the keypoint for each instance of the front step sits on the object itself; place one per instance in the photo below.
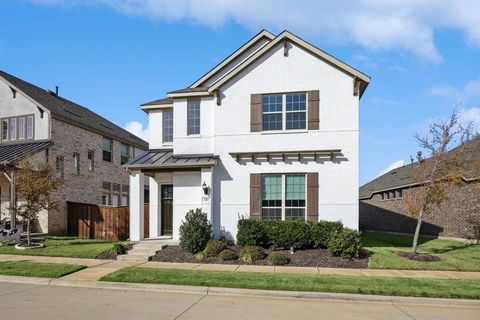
(142, 251)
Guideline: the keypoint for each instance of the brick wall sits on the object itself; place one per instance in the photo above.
(450, 219)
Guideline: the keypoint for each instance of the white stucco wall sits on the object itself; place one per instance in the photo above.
(21, 105)
(226, 128)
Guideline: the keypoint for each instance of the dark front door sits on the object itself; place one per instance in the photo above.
(167, 210)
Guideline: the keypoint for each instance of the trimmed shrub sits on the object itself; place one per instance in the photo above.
(250, 254)
(117, 249)
(214, 247)
(322, 231)
(195, 231)
(345, 243)
(278, 259)
(289, 233)
(227, 254)
(200, 256)
(251, 233)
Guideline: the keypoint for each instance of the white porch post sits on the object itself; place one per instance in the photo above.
(136, 205)
(154, 221)
(207, 178)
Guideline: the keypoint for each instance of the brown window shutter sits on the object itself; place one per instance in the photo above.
(255, 202)
(255, 112)
(312, 196)
(313, 110)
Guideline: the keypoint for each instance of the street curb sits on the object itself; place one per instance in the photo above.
(321, 296)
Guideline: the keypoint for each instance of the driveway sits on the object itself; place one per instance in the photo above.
(25, 301)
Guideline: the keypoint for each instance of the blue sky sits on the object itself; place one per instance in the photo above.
(112, 55)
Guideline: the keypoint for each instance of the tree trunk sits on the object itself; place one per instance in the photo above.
(417, 232)
(29, 242)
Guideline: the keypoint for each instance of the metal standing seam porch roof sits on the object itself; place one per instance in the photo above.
(165, 159)
(11, 152)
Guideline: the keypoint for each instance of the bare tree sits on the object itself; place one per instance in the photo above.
(445, 144)
(35, 184)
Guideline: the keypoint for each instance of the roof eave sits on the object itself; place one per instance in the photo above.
(189, 94)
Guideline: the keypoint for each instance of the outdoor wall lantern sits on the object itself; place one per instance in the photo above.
(205, 188)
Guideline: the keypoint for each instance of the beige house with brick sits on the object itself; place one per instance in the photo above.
(87, 150)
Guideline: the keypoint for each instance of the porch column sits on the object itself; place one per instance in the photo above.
(13, 197)
(136, 205)
(154, 222)
(207, 178)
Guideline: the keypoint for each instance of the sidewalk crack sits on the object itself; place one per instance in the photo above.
(403, 311)
(193, 305)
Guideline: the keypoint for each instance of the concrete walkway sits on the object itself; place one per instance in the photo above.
(98, 268)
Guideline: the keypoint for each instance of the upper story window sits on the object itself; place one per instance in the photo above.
(193, 117)
(59, 165)
(107, 145)
(167, 126)
(4, 129)
(29, 127)
(13, 129)
(21, 128)
(287, 111)
(76, 162)
(124, 153)
(283, 196)
(91, 159)
(17, 128)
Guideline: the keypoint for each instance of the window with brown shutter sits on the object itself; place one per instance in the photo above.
(312, 196)
(313, 110)
(255, 112)
(255, 196)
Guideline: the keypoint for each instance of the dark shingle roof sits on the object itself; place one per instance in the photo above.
(73, 113)
(402, 176)
(11, 152)
(187, 90)
(158, 102)
(166, 159)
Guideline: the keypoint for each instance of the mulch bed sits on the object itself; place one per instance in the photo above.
(301, 258)
(418, 256)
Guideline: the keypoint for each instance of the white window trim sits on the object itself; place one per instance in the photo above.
(169, 143)
(284, 189)
(284, 114)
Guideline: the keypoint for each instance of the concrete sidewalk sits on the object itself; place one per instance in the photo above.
(98, 268)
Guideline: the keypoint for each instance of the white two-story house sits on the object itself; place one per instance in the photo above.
(269, 133)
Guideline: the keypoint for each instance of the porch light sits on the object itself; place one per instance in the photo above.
(205, 188)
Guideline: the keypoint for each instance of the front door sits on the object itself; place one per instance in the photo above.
(167, 210)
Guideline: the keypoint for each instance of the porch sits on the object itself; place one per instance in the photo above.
(177, 184)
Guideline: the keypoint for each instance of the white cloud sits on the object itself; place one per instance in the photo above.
(457, 95)
(373, 24)
(137, 129)
(393, 165)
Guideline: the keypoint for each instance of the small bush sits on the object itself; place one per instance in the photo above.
(345, 243)
(200, 256)
(289, 233)
(214, 247)
(227, 254)
(250, 254)
(251, 233)
(322, 231)
(118, 249)
(195, 231)
(278, 259)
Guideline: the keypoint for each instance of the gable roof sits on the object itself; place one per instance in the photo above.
(285, 35)
(264, 34)
(70, 112)
(198, 88)
(402, 176)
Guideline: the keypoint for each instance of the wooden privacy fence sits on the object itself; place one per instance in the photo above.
(101, 222)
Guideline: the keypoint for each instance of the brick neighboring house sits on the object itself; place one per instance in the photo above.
(382, 208)
(85, 148)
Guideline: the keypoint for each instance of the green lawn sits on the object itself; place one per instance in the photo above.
(36, 269)
(63, 247)
(445, 288)
(454, 255)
